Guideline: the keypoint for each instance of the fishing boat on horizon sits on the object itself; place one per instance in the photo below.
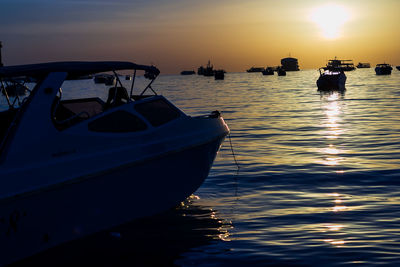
(340, 64)
(255, 69)
(268, 71)
(361, 65)
(70, 168)
(383, 69)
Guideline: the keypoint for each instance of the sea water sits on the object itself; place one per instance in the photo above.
(305, 178)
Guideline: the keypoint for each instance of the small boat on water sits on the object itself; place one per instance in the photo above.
(398, 67)
(188, 72)
(268, 71)
(207, 71)
(363, 65)
(340, 64)
(219, 74)
(255, 69)
(383, 69)
(331, 80)
(281, 71)
(107, 79)
(70, 168)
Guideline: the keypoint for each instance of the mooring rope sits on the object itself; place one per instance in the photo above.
(233, 153)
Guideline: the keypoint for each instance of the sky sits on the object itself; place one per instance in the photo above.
(178, 35)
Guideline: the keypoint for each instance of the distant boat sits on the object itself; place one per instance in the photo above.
(281, 71)
(398, 67)
(363, 65)
(340, 64)
(107, 79)
(128, 77)
(383, 69)
(219, 74)
(331, 80)
(268, 71)
(188, 72)
(290, 64)
(206, 71)
(255, 69)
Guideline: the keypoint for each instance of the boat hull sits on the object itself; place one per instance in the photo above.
(331, 83)
(36, 221)
(383, 71)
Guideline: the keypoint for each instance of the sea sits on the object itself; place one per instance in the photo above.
(303, 179)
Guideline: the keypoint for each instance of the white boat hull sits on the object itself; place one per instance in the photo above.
(36, 221)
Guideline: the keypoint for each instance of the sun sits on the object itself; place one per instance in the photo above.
(330, 18)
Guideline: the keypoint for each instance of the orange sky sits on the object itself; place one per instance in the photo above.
(176, 35)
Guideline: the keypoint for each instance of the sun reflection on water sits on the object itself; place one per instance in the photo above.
(333, 129)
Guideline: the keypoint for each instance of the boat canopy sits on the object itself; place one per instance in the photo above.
(73, 68)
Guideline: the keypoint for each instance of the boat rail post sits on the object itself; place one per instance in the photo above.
(133, 82)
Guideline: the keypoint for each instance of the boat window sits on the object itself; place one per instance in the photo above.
(157, 112)
(117, 122)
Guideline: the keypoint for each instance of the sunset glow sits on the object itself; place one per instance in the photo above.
(330, 19)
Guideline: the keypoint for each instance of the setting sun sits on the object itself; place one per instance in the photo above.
(330, 18)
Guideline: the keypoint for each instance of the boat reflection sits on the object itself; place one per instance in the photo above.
(153, 241)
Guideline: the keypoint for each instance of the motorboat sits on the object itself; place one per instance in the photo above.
(361, 65)
(107, 79)
(188, 72)
(268, 71)
(281, 71)
(383, 69)
(340, 64)
(73, 167)
(331, 80)
(219, 74)
(255, 69)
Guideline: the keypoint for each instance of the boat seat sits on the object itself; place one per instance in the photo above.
(72, 111)
(116, 97)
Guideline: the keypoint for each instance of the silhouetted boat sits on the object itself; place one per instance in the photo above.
(255, 69)
(383, 69)
(70, 168)
(281, 71)
(268, 71)
(398, 67)
(206, 71)
(128, 77)
(340, 64)
(219, 74)
(290, 64)
(188, 72)
(331, 80)
(363, 65)
(107, 79)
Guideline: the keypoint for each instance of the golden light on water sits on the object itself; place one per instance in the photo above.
(330, 19)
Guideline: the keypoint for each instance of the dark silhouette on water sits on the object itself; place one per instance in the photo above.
(268, 71)
(383, 69)
(290, 64)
